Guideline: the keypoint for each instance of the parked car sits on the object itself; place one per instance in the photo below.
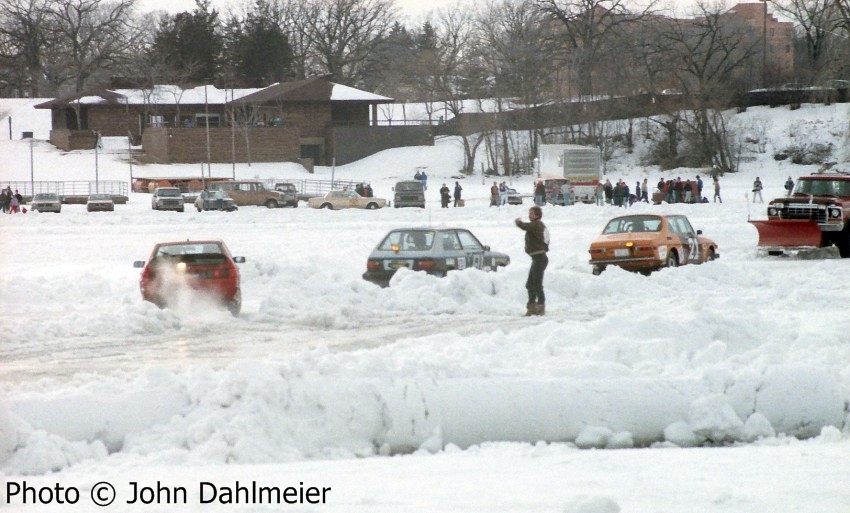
(199, 265)
(409, 193)
(289, 192)
(346, 199)
(46, 202)
(514, 197)
(433, 250)
(254, 192)
(167, 198)
(215, 200)
(100, 203)
(646, 243)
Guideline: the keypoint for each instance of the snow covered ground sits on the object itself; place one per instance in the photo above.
(713, 388)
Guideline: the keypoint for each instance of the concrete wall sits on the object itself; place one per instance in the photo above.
(68, 140)
(185, 145)
(114, 121)
(351, 143)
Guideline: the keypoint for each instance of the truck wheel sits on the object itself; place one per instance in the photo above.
(843, 242)
(271, 203)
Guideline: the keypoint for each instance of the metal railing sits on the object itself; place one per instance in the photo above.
(69, 188)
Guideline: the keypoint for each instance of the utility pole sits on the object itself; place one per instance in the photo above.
(764, 47)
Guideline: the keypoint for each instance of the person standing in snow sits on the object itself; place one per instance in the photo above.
(536, 245)
(458, 188)
(717, 191)
(444, 196)
(757, 187)
(789, 186)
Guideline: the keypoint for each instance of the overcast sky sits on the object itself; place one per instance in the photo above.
(413, 8)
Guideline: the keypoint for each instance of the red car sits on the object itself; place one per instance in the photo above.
(204, 266)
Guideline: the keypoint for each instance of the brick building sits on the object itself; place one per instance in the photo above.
(311, 120)
(777, 38)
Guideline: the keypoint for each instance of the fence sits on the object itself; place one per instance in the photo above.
(71, 191)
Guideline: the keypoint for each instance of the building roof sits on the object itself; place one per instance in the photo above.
(158, 95)
(315, 89)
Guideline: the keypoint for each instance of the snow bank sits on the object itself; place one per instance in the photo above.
(256, 412)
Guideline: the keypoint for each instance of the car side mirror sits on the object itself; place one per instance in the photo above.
(486, 248)
(239, 259)
(699, 232)
(139, 264)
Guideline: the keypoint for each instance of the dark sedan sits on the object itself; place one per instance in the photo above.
(435, 251)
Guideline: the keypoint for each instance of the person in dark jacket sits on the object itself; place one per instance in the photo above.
(444, 196)
(458, 188)
(536, 245)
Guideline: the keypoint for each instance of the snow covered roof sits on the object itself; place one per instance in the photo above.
(314, 89)
(159, 94)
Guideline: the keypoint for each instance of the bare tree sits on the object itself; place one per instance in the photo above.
(816, 22)
(516, 49)
(23, 34)
(90, 36)
(708, 50)
(341, 33)
(586, 26)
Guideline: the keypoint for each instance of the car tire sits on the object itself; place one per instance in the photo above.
(235, 306)
(842, 242)
(711, 255)
(672, 259)
(598, 269)
(181, 209)
(327, 205)
(372, 206)
(271, 204)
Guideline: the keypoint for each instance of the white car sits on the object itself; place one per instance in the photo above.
(346, 199)
(100, 203)
(46, 202)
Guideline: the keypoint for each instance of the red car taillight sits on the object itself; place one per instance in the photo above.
(373, 265)
(221, 272)
(423, 265)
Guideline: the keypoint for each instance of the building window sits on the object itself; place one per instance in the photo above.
(201, 119)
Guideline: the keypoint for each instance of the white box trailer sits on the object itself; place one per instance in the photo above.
(580, 165)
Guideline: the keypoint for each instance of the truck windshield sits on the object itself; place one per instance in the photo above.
(408, 186)
(823, 187)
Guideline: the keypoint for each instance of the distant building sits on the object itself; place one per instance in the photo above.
(779, 41)
(312, 120)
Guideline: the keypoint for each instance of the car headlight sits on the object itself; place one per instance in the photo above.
(772, 211)
(835, 213)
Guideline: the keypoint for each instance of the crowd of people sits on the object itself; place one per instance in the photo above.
(364, 189)
(11, 202)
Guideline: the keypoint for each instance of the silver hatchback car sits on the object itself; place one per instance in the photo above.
(433, 250)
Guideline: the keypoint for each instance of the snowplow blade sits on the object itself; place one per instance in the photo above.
(788, 234)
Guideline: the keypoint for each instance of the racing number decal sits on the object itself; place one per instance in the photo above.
(693, 249)
(477, 260)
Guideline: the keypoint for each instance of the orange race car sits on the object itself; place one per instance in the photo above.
(646, 242)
